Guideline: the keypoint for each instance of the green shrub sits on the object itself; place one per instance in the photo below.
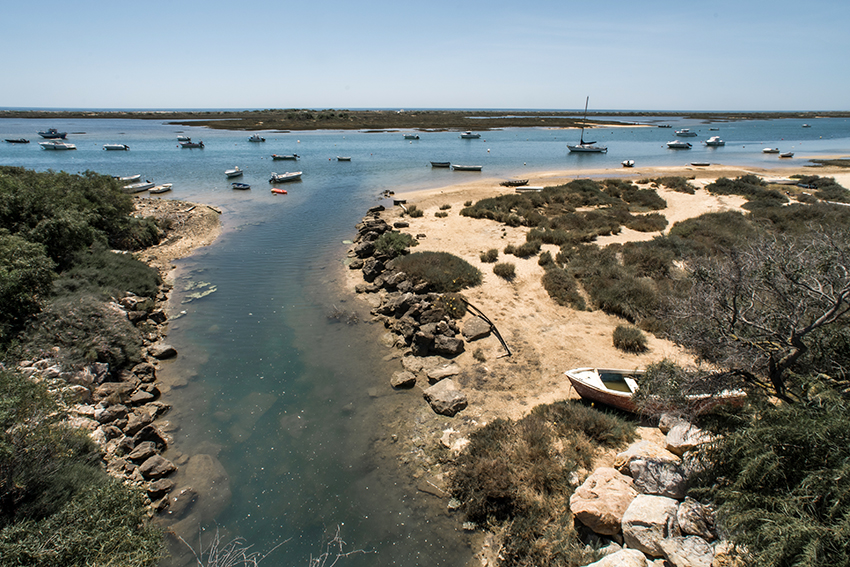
(505, 270)
(445, 207)
(562, 288)
(546, 259)
(749, 186)
(527, 249)
(653, 222)
(26, 274)
(629, 339)
(103, 272)
(394, 243)
(414, 212)
(452, 303)
(441, 214)
(678, 184)
(490, 256)
(443, 272)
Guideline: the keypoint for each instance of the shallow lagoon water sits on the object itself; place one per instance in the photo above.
(296, 405)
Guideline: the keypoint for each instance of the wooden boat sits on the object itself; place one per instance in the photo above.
(628, 163)
(586, 147)
(715, 141)
(52, 134)
(114, 147)
(787, 155)
(138, 187)
(164, 188)
(343, 158)
(467, 167)
(441, 164)
(292, 157)
(615, 387)
(17, 140)
(57, 145)
(686, 133)
(235, 172)
(411, 136)
(256, 138)
(181, 138)
(284, 177)
(770, 151)
(679, 145)
(129, 178)
(470, 136)
(700, 163)
(192, 144)
(514, 183)
(237, 185)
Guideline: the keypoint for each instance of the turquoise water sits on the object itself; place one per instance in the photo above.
(295, 406)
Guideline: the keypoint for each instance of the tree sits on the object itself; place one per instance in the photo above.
(26, 274)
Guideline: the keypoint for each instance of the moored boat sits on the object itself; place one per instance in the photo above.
(343, 158)
(256, 138)
(235, 172)
(715, 141)
(291, 157)
(164, 188)
(192, 144)
(628, 163)
(467, 167)
(237, 185)
(57, 145)
(284, 177)
(586, 147)
(679, 145)
(470, 135)
(770, 150)
(279, 191)
(181, 138)
(441, 164)
(411, 136)
(138, 187)
(52, 134)
(17, 140)
(114, 147)
(787, 155)
(685, 133)
(129, 178)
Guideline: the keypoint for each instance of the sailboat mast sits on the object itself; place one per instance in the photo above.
(581, 139)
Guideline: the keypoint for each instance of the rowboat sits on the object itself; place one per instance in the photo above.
(467, 167)
(256, 138)
(119, 147)
(278, 191)
(700, 163)
(129, 178)
(235, 172)
(237, 185)
(164, 188)
(440, 164)
(138, 187)
(679, 145)
(514, 183)
(181, 138)
(292, 157)
(52, 134)
(628, 163)
(17, 140)
(343, 158)
(57, 145)
(470, 136)
(770, 151)
(787, 155)
(586, 147)
(284, 177)
(411, 136)
(192, 144)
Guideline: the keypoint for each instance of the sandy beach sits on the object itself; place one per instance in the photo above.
(546, 339)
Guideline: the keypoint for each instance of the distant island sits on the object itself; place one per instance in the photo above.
(379, 120)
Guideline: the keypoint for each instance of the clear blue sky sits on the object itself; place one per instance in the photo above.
(652, 55)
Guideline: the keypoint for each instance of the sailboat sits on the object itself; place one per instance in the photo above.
(586, 147)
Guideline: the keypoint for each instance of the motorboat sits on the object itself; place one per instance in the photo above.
(237, 185)
(57, 145)
(292, 157)
(256, 138)
(628, 163)
(787, 155)
(17, 140)
(470, 136)
(411, 136)
(164, 188)
(664, 126)
(191, 144)
(139, 187)
(279, 191)
(679, 145)
(770, 151)
(235, 172)
(715, 141)
(284, 177)
(586, 147)
(343, 158)
(181, 138)
(467, 167)
(441, 164)
(129, 178)
(686, 133)
(806, 126)
(52, 134)
(114, 147)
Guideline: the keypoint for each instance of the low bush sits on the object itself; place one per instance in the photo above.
(526, 249)
(545, 259)
(749, 186)
(443, 272)
(562, 288)
(394, 243)
(452, 303)
(652, 222)
(26, 276)
(490, 256)
(629, 339)
(415, 213)
(441, 214)
(445, 207)
(505, 270)
(678, 184)
(102, 272)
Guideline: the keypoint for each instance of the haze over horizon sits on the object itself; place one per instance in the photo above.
(655, 55)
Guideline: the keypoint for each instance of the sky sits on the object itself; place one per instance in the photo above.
(625, 55)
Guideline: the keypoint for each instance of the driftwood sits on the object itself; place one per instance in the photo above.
(477, 312)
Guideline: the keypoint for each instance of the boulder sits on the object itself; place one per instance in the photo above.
(111, 413)
(156, 466)
(444, 371)
(180, 501)
(696, 519)
(136, 421)
(448, 346)
(475, 328)
(143, 451)
(668, 421)
(403, 379)
(642, 450)
(690, 551)
(683, 437)
(660, 477)
(118, 389)
(159, 488)
(141, 397)
(600, 502)
(445, 397)
(622, 558)
(150, 433)
(364, 249)
(648, 520)
(162, 351)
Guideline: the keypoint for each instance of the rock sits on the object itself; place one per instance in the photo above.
(158, 316)
(79, 393)
(622, 558)
(180, 501)
(445, 397)
(156, 466)
(449, 346)
(403, 379)
(696, 519)
(364, 249)
(372, 268)
(143, 451)
(642, 450)
(445, 371)
(647, 521)
(602, 499)
(668, 421)
(141, 397)
(136, 421)
(475, 328)
(145, 371)
(109, 414)
(684, 437)
(401, 224)
(356, 264)
(690, 551)
(117, 389)
(433, 315)
(159, 488)
(162, 351)
(150, 433)
(660, 477)
(210, 481)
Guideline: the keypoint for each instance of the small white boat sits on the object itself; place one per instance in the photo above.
(679, 145)
(770, 151)
(57, 145)
(411, 136)
(685, 133)
(235, 172)
(284, 177)
(192, 144)
(628, 163)
(806, 126)
(164, 188)
(715, 141)
(114, 147)
(52, 134)
(467, 167)
(181, 138)
(256, 138)
(470, 136)
(138, 187)
(343, 158)
(291, 157)
(787, 155)
(129, 178)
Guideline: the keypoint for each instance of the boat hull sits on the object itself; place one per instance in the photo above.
(285, 177)
(580, 378)
(276, 157)
(587, 149)
(467, 167)
(440, 164)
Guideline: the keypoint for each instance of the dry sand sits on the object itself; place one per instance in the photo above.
(545, 339)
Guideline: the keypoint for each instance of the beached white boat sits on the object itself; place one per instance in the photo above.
(57, 145)
(679, 145)
(52, 134)
(192, 144)
(116, 147)
(628, 163)
(770, 150)
(467, 167)
(715, 141)
(787, 155)
(411, 136)
(284, 177)
(235, 172)
(138, 187)
(685, 133)
(470, 136)
(586, 147)
(291, 157)
(256, 138)
(181, 138)
(164, 188)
